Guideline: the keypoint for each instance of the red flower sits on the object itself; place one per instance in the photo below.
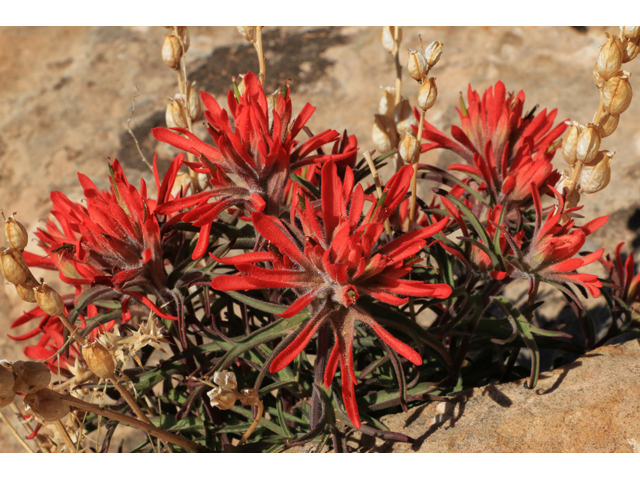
(260, 149)
(507, 151)
(334, 260)
(553, 245)
(625, 278)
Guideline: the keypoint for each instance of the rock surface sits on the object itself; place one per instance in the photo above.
(67, 94)
(591, 405)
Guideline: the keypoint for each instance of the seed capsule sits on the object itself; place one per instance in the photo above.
(565, 181)
(49, 300)
(417, 66)
(388, 38)
(408, 147)
(570, 143)
(588, 144)
(596, 177)
(249, 33)
(610, 57)
(171, 52)
(183, 35)
(176, 113)
(617, 94)
(7, 380)
(608, 125)
(630, 32)
(195, 104)
(30, 376)
(46, 405)
(225, 379)
(384, 134)
(632, 49)
(433, 53)
(427, 94)
(222, 398)
(99, 360)
(16, 233)
(597, 79)
(25, 291)
(387, 102)
(403, 117)
(14, 267)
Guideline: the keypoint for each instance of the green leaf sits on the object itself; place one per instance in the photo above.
(306, 184)
(88, 297)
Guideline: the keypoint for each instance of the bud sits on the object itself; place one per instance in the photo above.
(226, 380)
(631, 50)
(387, 102)
(595, 177)
(16, 233)
(388, 38)
(630, 32)
(384, 134)
(176, 113)
(25, 290)
(222, 398)
(617, 94)
(610, 57)
(433, 53)
(49, 300)
(427, 94)
(14, 267)
(195, 104)
(46, 405)
(249, 33)
(403, 117)
(99, 360)
(608, 125)
(183, 36)
(171, 52)
(417, 66)
(30, 376)
(598, 80)
(588, 144)
(570, 143)
(408, 147)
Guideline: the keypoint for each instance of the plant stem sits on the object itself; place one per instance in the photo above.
(124, 391)
(15, 432)
(414, 179)
(261, 59)
(255, 423)
(65, 436)
(376, 180)
(132, 422)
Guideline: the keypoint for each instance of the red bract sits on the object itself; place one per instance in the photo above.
(553, 245)
(507, 151)
(334, 260)
(625, 278)
(260, 150)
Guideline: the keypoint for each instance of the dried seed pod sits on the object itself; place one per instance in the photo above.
(195, 103)
(249, 396)
(183, 36)
(610, 57)
(565, 181)
(433, 53)
(222, 398)
(596, 176)
(49, 300)
(608, 125)
(617, 94)
(225, 379)
(387, 102)
(249, 33)
(630, 32)
(597, 79)
(99, 360)
(176, 113)
(25, 291)
(427, 94)
(46, 405)
(631, 50)
(588, 144)
(408, 147)
(14, 267)
(388, 38)
(30, 376)
(384, 134)
(403, 117)
(417, 66)
(570, 143)
(171, 52)
(16, 233)
(7, 380)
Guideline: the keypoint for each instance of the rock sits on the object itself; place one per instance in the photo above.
(591, 405)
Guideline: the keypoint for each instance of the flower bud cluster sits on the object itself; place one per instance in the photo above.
(590, 166)
(224, 396)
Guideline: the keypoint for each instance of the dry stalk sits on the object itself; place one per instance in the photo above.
(15, 432)
(378, 183)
